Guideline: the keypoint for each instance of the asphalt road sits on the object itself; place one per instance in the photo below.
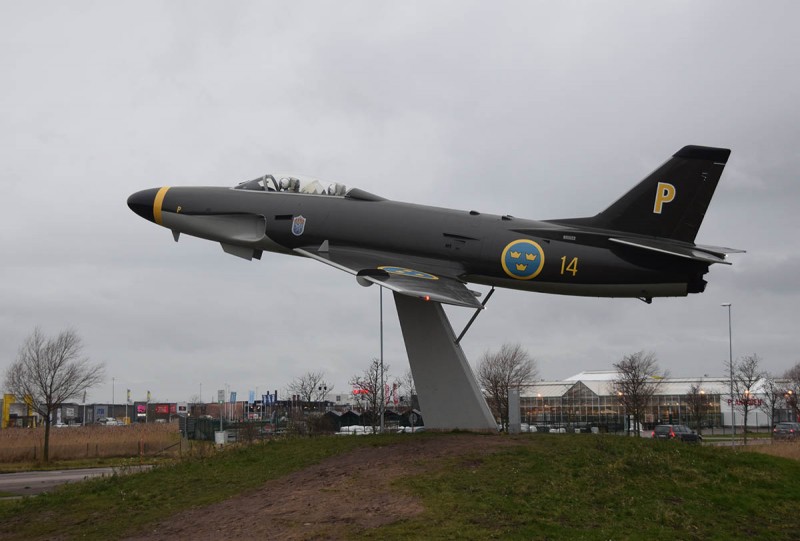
(36, 482)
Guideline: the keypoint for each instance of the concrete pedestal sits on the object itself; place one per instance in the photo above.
(449, 396)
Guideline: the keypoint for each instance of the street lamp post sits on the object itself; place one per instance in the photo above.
(383, 398)
(730, 367)
(113, 384)
(701, 411)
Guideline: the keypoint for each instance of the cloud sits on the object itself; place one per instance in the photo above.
(539, 111)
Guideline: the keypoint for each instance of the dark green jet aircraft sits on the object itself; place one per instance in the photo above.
(642, 246)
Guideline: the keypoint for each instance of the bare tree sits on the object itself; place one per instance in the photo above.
(639, 379)
(310, 387)
(368, 385)
(408, 389)
(746, 373)
(793, 388)
(510, 367)
(697, 404)
(773, 397)
(196, 405)
(50, 371)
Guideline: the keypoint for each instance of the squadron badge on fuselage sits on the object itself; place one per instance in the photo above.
(298, 225)
(522, 259)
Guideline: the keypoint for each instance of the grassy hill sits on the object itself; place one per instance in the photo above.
(537, 486)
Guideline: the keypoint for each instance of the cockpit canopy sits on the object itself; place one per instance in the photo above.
(292, 184)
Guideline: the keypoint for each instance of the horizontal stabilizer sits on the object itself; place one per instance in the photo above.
(695, 253)
(719, 249)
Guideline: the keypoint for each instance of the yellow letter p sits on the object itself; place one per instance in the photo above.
(665, 193)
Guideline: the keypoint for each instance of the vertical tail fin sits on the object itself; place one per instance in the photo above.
(671, 202)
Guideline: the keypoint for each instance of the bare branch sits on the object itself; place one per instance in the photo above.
(639, 379)
(698, 405)
(510, 367)
(48, 372)
(774, 397)
(746, 373)
(409, 388)
(791, 393)
(368, 384)
(310, 387)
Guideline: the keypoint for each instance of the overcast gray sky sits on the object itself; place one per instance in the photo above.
(535, 109)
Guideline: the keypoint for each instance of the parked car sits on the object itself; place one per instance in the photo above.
(410, 429)
(786, 431)
(107, 421)
(677, 432)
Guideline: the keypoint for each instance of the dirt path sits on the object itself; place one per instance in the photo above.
(338, 497)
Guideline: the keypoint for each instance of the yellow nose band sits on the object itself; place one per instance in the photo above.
(157, 202)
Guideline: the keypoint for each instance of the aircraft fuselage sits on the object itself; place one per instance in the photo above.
(572, 262)
(640, 246)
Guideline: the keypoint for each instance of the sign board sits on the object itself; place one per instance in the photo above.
(182, 408)
(221, 396)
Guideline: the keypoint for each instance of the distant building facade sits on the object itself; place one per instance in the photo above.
(587, 399)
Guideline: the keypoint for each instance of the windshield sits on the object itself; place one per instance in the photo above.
(292, 184)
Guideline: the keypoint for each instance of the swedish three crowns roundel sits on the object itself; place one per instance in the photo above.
(522, 259)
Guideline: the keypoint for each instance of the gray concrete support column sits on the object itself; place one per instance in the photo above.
(448, 394)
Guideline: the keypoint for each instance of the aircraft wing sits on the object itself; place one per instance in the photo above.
(423, 278)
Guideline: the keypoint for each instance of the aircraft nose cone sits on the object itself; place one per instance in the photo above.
(142, 203)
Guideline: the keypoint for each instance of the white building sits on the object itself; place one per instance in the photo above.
(588, 399)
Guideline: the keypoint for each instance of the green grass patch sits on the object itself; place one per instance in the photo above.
(107, 508)
(576, 487)
(590, 487)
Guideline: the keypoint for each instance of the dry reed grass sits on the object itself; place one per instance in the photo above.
(70, 443)
(785, 449)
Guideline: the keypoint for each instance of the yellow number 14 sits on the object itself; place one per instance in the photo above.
(572, 266)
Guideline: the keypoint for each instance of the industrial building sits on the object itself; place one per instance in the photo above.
(587, 399)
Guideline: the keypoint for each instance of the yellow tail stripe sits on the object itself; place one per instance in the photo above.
(157, 202)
